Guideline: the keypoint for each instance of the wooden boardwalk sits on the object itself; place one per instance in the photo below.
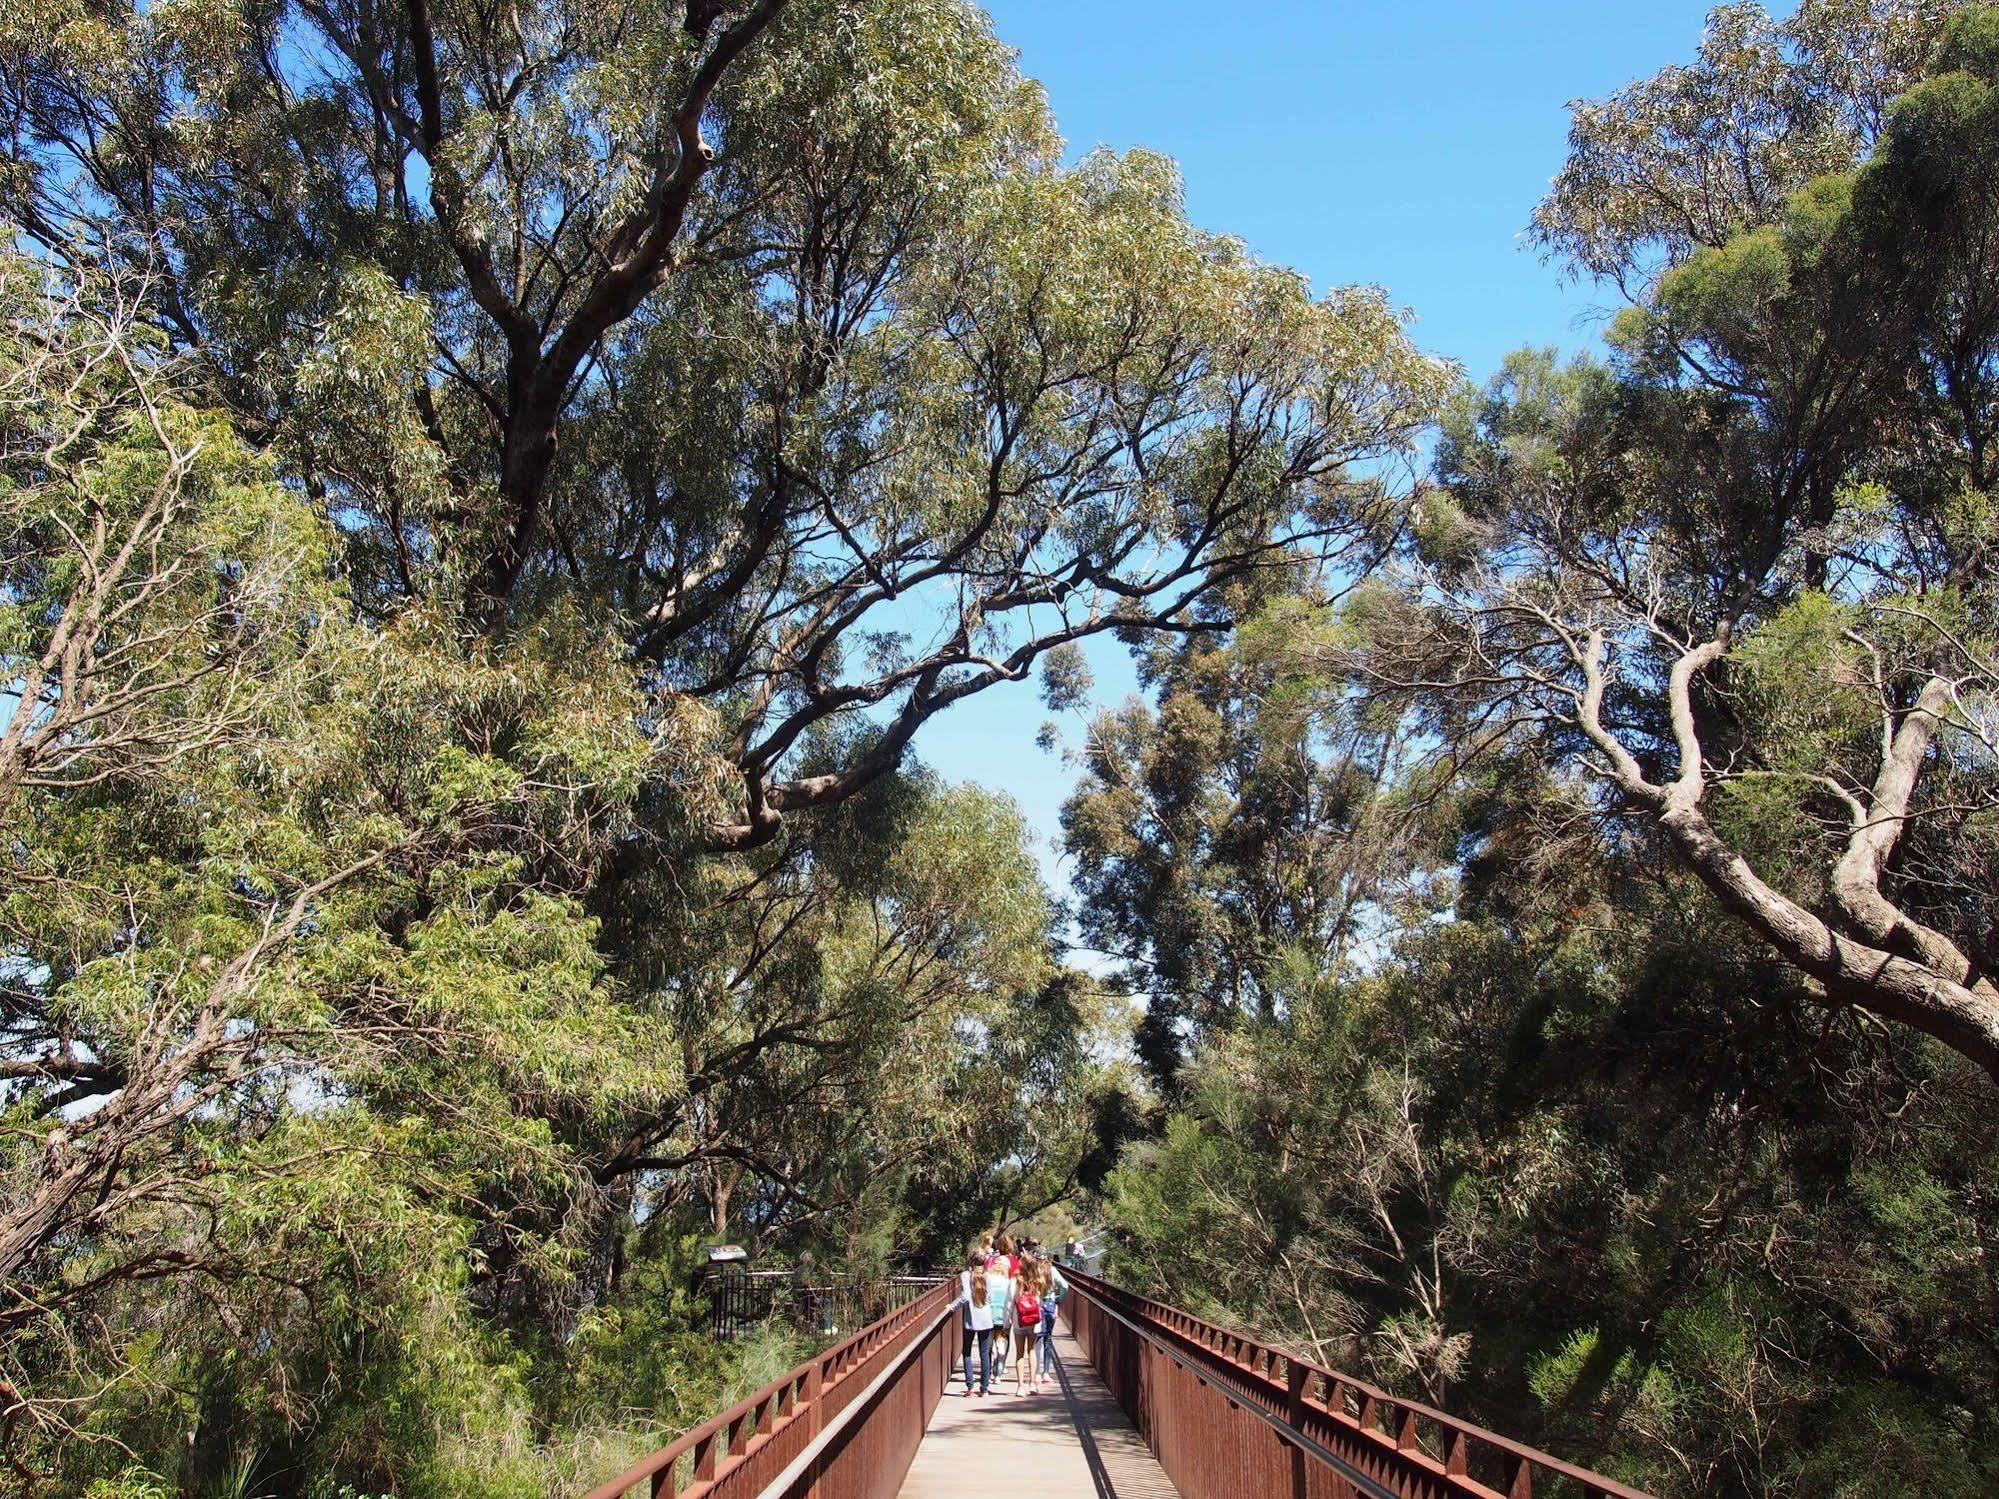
(1069, 1441)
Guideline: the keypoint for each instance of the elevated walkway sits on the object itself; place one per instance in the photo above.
(1153, 1403)
(1069, 1440)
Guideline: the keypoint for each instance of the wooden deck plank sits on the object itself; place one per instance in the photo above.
(1073, 1441)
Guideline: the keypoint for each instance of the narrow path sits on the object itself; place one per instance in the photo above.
(1068, 1442)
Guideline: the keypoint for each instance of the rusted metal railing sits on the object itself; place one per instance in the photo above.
(1229, 1416)
(842, 1425)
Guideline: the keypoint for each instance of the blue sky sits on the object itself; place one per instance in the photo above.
(1403, 145)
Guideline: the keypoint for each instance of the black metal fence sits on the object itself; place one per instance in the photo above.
(816, 1304)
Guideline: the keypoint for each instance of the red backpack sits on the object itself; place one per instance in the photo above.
(1030, 1309)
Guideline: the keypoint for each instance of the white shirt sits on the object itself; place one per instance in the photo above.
(978, 1318)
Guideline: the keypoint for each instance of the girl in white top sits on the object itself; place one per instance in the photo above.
(975, 1287)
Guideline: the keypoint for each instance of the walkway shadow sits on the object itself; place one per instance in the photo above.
(1127, 1470)
(1099, 1474)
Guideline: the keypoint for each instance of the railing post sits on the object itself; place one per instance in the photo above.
(1295, 1375)
(815, 1417)
(704, 1457)
(1457, 1461)
(1405, 1432)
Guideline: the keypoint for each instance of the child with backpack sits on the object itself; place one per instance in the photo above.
(1027, 1329)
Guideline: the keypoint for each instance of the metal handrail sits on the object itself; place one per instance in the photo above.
(1277, 1423)
(847, 1421)
(861, 1404)
(721, 1446)
(813, 1301)
(1280, 1389)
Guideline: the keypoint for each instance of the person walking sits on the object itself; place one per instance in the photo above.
(1052, 1287)
(1001, 1289)
(976, 1323)
(1003, 1252)
(1027, 1326)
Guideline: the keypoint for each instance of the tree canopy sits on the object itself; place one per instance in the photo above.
(491, 502)
(1569, 945)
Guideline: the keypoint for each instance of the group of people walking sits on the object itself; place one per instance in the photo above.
(1009, 1295)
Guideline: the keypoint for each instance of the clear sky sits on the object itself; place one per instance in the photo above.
(1399, 144)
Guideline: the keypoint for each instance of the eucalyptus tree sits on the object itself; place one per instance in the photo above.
(567, 443)
(846, 1015)
(777, 333)
(254, 857)
(1739, 581)
(1681, 161)
(763, 354)
(1238, 842)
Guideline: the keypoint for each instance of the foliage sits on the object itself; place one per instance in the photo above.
(1736, 582)
(1235, 843)
(1583, 1165)
(538, 465)
(486, 512)
(1631, 1133)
